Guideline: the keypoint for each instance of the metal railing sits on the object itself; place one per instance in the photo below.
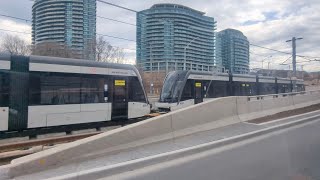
(272, 96)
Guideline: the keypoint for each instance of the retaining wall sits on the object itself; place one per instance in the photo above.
(207, 115)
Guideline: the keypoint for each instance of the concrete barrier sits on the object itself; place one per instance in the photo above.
(260, 106)
(201, 117)
(152, 130)
(275, 105)
(248, 108)
(204, 116)
(307, 99)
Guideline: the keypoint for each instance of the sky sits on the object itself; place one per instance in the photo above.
(267, 23)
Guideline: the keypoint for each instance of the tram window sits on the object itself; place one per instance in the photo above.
(220, 89)
(237, 88)
(283, 88)
(54, 89)
(244, 88)
(267, 88)
(92, 90)
(106, 92)
(217, 89)
(205, 86)
(187, 91)
(4, 89)
(136, 93)
(253, 89)
(34, 89)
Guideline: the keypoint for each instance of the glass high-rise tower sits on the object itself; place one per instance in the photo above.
(232, 51)
(69, 22)
(175, 37)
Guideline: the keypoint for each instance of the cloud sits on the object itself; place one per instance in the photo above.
(15, 26)
(267, 23)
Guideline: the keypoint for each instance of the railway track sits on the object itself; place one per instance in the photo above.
(44, 142)
(68, 129)
(10, 151)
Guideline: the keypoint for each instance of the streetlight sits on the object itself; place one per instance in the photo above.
(151, 68)
(185, 53)
(266, 59)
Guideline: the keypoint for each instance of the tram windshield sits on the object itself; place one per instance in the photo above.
(173, 86)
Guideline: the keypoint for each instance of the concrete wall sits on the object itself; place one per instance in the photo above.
(207, 115)
(259, 106)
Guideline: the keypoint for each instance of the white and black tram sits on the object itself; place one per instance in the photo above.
(37, 92)
(185, 88)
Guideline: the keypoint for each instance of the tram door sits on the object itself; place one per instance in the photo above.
(120, 99)
(198, 92)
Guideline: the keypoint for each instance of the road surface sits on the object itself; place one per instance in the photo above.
(292, 154)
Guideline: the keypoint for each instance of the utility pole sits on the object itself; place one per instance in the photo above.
(151, 68)
(294, 62)
(185, 53)
(302, 73)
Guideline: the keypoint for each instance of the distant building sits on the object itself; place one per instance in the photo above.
(169, 34)
(232, 51)
(68, 22)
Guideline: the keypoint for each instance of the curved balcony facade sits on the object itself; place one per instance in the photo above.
(176, 35)
(233, 51)
(65, 21)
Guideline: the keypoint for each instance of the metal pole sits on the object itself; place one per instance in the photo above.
(150, 57)
(302, 74)
(151, 72)
(185, 59)
(294, 62)
(185, 53)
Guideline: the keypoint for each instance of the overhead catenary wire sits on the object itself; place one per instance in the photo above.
(114, 20)
(14, 31)
(270, 49)
(258, 54)
(283, 52)
(285, 61)
(106, 35)
(30, 33)
(118, 6)
(135, 11)
(115, 37)
(96, 33)
(17, 18)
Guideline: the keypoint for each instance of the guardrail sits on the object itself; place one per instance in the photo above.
(263, 105)
(281, 95)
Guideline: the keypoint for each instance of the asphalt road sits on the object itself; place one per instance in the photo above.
(293, 154)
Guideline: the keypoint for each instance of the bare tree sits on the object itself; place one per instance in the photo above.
(107, 53)
(15, 45)
(117, 55)
(103, 49)
(55, 49)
